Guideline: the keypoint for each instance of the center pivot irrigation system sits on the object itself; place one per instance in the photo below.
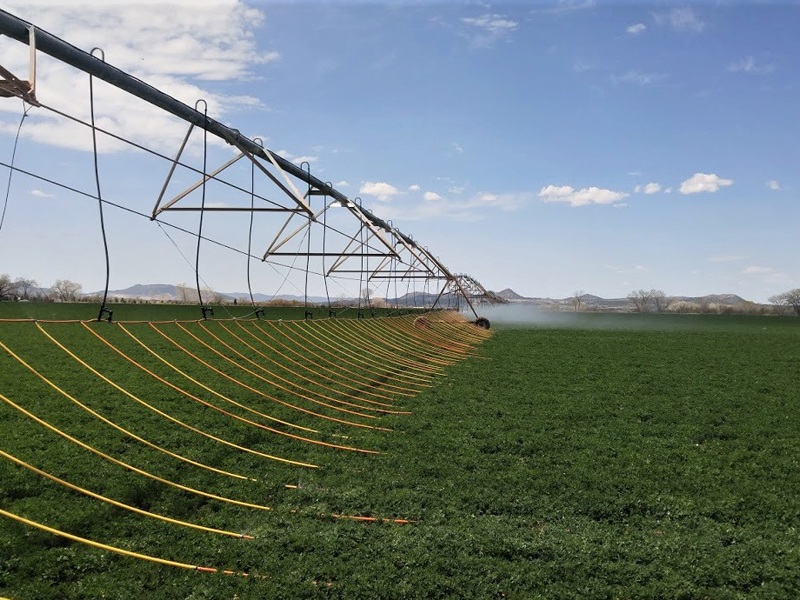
(368, 247)
(256, 389)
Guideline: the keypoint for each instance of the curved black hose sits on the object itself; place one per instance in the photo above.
(105, 311)
(11, 170)
(202, 211)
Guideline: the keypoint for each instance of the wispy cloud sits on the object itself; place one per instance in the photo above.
(773, 185)
(680, 19)
(487, 29)
(582, 197)
(649, 188)
(636, 28)
(638, 77)
(725, 258)
(565, 7)
(177, 50)
(41, 194)
(750, 65)
(704, 182)
(431, 196)
(758, 270)
(474, 208)
(457, 147)
(381, 190)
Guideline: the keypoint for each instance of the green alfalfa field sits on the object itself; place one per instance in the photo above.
(607, 457)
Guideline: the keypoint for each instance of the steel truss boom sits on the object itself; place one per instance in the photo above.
(23, 31)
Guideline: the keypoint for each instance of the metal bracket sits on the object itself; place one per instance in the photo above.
(12, 86)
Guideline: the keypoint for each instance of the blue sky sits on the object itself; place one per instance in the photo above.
(549, 147)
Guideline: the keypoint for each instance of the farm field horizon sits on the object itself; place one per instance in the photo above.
(653, 456)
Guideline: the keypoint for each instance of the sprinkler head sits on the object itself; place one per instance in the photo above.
(482, 322)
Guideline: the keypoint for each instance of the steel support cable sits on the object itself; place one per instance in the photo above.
(13, 158)
(340, 343)
(352, 376)
(289, 271)
(309, 369)
(223, 411)
(167, 223)
(212, 391)
(104, 309)
(281, 378)
(403, 344)
(121, 505)
(145, 216)
(304, 342)
(125, 465)
(381, 349)
(119, 428)
(154, 153)
(169, 417)
(146, 557)
(267, 396)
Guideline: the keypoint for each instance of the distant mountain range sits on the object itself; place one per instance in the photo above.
(166, 291)
(611, 303)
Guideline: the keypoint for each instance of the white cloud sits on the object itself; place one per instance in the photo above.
(636, 29)
(297, 159)
(489, 28)
(773, 185)
(758, 270)
(703, 182)
(652, 188)
(626, 270)
(491, 22)
(638, 77)
(680, 19)
(176, 50)
(382, 191)
(41, 194)
(749, 65)
(457, 147)
(725, 258)
(457, 189)
(583, 197)
(414, 188)
(668, 190)
(305, 158)
(431, 196)
(565, 6)
(342, 183)
(469, 210)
